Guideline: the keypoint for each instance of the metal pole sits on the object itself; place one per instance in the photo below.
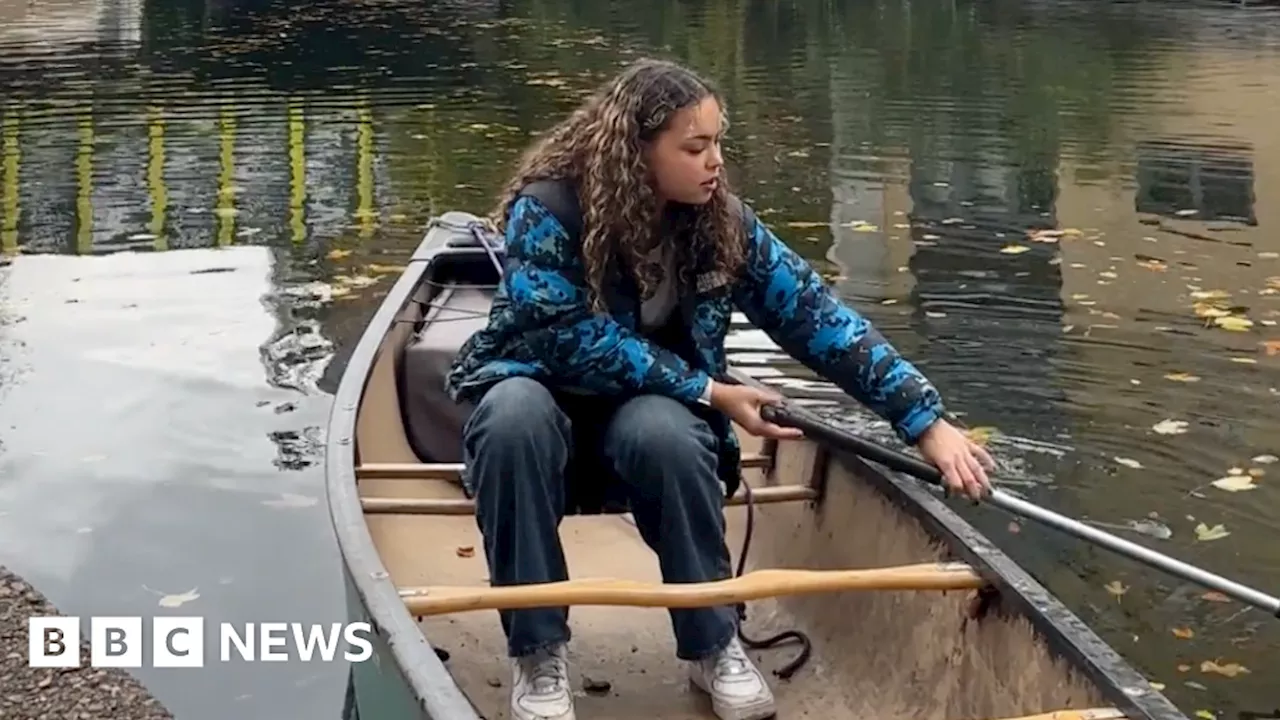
(821, 431)
(1133, 550)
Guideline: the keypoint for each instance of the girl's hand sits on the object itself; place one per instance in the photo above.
(964, 463)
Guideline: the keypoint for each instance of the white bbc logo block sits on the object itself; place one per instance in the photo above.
(177, 642)
(115, 642)
(53, 642)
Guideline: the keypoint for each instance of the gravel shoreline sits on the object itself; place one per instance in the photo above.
(83, 693)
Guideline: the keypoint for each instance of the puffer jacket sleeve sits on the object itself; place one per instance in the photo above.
(545, 285)
(783, 296)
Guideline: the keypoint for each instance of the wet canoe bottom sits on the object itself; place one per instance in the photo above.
(876, 654)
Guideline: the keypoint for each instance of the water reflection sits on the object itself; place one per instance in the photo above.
(1047, 205)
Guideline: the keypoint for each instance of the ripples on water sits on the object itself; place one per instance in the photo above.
(1025, 196)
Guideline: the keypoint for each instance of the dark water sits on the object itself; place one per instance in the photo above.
(203, 201)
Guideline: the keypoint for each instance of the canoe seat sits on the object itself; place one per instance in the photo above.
(451, 472)
(755, 585)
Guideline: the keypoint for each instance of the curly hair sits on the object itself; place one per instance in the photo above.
(599, 149)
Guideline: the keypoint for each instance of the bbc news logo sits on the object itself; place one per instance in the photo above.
(179, 642)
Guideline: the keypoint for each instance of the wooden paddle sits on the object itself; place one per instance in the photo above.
(751, 586)
(814, 428)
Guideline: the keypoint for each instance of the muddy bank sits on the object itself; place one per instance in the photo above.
(82, 693)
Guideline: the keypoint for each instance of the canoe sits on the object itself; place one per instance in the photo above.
(908, 610)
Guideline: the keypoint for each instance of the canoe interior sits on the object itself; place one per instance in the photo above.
(876, 654)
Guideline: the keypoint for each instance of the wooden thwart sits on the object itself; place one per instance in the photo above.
(462, 506)
(1085, 714)
(755, 585)
(452, 471)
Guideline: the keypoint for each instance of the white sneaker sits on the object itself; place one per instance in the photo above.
(540, 686)
(738, 691)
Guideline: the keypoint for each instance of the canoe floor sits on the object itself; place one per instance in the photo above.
(875, 654)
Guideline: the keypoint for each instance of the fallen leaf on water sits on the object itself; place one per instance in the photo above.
(1183, 633)
(1234, 323)
(1015, 528)
(179, 599)
(1194, 685)
(377, 269)
(1129, 462)
(1256, 472)
(1209, 310)
(1184, 668)
(1044, 236)
(1170, 427)
(1272, 347)
(354, 280)
(466, 551)
(980, 435)
(1215, 596)
(1234, 483)
(1210, 295)
(1014, 249)
(1229, 669)
(1157, 686)
(290, 500)
(338, 254)
(1206, 715)
(1117, 588)
(1182, 377)
(1205, 533)
(1244, 360)
(806, 224)
(1265, 459)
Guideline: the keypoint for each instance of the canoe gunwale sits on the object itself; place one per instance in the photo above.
(427, 678)
(434, 687)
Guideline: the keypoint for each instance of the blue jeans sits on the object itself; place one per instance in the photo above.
(517, 446)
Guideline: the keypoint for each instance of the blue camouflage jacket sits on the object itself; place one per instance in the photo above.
(541, 326)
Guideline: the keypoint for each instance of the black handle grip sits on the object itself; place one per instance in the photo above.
(779, 415)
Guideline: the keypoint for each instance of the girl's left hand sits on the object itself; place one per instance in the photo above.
(964, 463)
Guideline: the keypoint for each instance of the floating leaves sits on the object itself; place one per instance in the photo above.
(980, 435)
(1265, 459)
(1213, 307)
(1014, 249)
(466, 551)
(1117, 588)
(1182, 377)
(179, 599)
(1170, 427)
(1234, 483)
(1271, 347)
(1215, 596)
(1204, 533)
(1234, 323)
(291, 500)
(1227, 669)
(1129, 463)
(1183, 633)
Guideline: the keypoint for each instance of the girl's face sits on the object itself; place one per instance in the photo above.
(685, 157)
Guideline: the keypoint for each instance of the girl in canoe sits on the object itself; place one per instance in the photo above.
(595, 381)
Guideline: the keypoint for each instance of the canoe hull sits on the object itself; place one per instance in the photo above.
(407, 680)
